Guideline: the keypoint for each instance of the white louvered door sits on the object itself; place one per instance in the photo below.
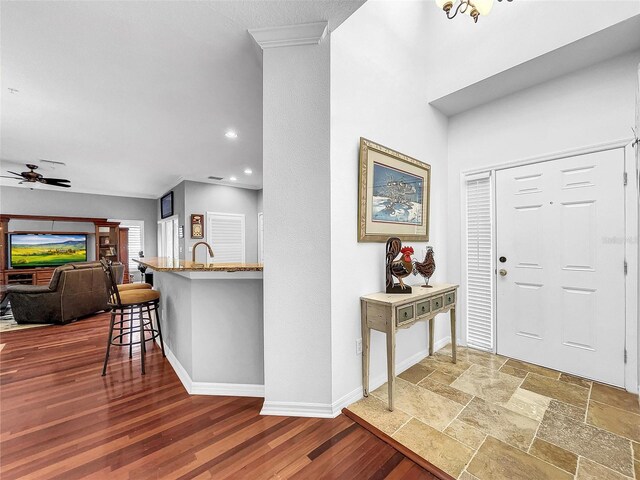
(479, 274)
(226, 235)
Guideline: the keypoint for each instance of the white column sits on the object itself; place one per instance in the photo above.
(297, 220)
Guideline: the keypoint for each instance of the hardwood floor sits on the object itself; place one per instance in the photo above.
(59, 419)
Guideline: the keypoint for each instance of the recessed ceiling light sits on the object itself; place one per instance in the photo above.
(248, 171)
(231, 134)
(233, 179)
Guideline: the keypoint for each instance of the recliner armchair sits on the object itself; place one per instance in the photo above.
(75, 290)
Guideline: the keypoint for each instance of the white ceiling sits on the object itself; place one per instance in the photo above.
(134, 96)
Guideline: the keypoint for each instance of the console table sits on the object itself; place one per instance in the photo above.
(388, 313)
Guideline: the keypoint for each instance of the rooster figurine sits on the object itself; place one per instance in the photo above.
(426, 268)
(398, 268)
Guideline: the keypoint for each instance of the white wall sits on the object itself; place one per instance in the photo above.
(378, 91)
(464, 53)
(204, 197)
(24, 201)
(197, 197)
(591, 106)
(297, 241)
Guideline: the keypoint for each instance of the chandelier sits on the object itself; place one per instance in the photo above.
(473, 8)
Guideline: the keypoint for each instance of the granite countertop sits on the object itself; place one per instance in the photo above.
(174, 265)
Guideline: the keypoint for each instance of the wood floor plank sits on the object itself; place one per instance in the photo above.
(60, 419)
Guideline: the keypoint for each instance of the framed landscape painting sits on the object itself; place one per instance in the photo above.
(393, 195)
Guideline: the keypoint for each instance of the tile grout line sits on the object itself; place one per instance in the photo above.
(474, 456)
(411, 417)
(586, 410)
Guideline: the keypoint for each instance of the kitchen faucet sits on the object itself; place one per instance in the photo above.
(193, 253)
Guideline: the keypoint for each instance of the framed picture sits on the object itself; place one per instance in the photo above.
(166, 205)
(393, 195)
(197, 227)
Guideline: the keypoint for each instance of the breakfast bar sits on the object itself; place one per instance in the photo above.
(212, 321)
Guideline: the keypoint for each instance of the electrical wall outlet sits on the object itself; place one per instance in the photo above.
(359, 346)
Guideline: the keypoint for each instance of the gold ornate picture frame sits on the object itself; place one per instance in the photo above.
(393, 195)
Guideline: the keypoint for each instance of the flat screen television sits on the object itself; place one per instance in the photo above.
(30, 250)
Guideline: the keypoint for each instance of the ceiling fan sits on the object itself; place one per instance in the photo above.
(33, 177)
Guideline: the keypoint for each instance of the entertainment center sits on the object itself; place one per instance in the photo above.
(111, 242)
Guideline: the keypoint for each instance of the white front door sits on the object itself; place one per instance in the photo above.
(561, 287)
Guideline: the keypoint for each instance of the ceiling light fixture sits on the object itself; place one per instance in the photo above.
(233, 179)
(473, 8)
(248, 171)
(231, 134)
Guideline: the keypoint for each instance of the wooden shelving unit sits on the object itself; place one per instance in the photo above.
(108, 239)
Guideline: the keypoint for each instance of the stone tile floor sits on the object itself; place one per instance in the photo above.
(489, 417)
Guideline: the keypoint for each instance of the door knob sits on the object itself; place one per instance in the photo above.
(503, 272)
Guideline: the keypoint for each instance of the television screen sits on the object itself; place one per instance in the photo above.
(166, 205)
(28, 250)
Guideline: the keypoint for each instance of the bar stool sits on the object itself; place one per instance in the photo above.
(123, 287)
(124, 303)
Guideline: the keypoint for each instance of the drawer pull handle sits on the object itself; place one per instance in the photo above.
(423, 309)
(405, 314)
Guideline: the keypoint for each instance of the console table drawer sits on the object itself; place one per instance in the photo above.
(449, 298)
(423, 308)
(436, 303)
(405, 314)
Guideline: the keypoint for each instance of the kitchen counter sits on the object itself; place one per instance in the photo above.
(160, 264)
(212, 324)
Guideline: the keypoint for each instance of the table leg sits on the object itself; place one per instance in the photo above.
(391, 362)
(452, 314)
(432, 323)
(366, 341)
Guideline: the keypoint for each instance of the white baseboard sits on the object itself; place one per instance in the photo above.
(227, 389)
(209, 388)
(346, 400)
(182, 374)
(297, 409)
(325, 410)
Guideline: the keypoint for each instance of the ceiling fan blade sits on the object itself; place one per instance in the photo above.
(15, 173)
(57, 180)
(48, 181)
(13, 178)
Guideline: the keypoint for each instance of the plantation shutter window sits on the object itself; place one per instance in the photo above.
(225, 234)
(135, 245)
(479, 275)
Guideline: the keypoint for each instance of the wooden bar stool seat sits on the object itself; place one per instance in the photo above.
(138, 297)
(123, 287)
(127, 306)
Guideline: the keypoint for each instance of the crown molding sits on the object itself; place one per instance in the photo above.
(290, 35)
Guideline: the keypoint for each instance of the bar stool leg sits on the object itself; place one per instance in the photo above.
(106, 358)
(130, 333)
(143, 349)
(156, 309)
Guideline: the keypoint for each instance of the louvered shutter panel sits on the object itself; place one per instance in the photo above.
(135, 245)
(225, 234)
(480, 325)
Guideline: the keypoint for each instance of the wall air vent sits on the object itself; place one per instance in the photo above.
(211, 177)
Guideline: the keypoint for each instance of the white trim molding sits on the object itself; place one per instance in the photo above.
(290, 35)
(326, 410)
(632, 248)
(210, 388)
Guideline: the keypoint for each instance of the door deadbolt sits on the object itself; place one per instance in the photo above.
(503, 272)
(502, 259)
